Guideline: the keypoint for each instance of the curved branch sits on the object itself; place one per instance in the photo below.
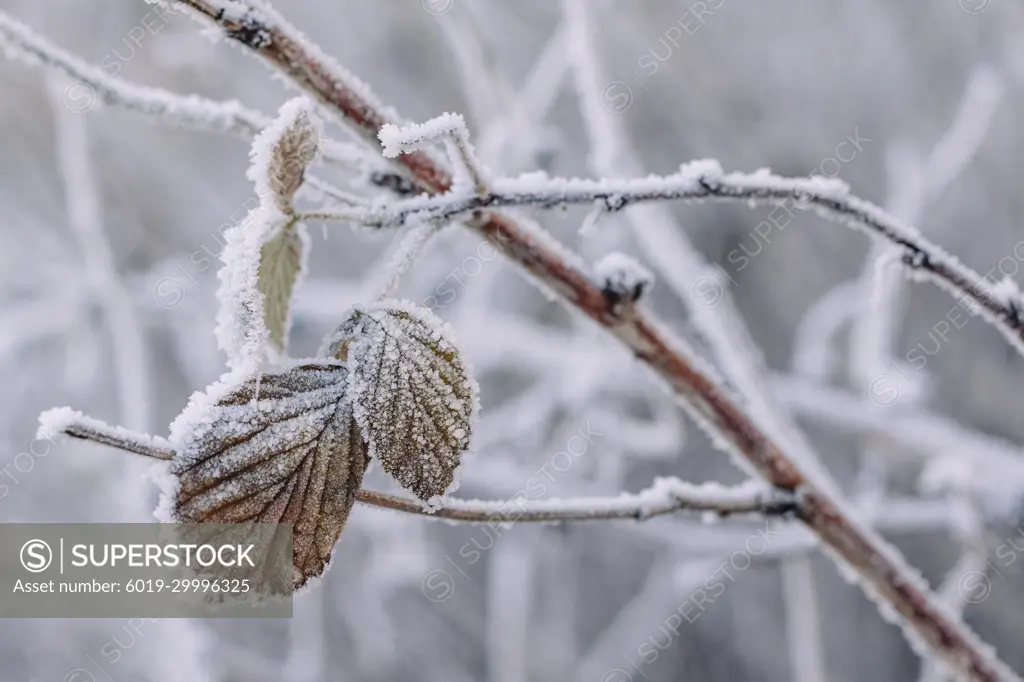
(189, 112)
(91, 85)
(701, 180)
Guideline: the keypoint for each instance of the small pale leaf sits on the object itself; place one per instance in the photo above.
(280, 448)
(282, 260)
(412, 392)
(282, 152)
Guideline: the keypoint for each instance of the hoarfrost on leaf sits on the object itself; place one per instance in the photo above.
(281, 153)
(265, 255)
(280, 448)
(242, 332)
(412, 392)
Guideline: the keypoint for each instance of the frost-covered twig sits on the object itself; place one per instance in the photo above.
(447, 128)
(916, 431)
(263, 31)
(91, 84)
(68, 422)
(706, 180)
(884, 574)
(487, 91)
(666, 496)
(21, 42)
(813, 353)
(404, 257)
(516, 138)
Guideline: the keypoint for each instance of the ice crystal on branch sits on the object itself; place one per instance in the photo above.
(284, 448)
(412, 392)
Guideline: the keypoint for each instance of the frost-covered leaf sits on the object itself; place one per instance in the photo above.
(263, 265)
(412, 392)
(264, 255)
(281, 153)
(278, 448)
(282, 260)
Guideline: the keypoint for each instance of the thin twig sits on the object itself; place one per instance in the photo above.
(188, 112)
(65, 421)
(705, 180)
(516, 138)
(918, 432)
(450, 129)
(914, 183)
(91, 85)
(666, 496)
(404, 257)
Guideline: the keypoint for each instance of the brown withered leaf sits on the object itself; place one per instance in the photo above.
(283, 448)
(412, 392)
(282, 152)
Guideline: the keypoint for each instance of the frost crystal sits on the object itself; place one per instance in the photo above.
(281, 448)
(412, 392)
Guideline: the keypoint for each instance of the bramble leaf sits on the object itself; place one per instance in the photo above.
(412, 392)
(280, 448)
(281, 264)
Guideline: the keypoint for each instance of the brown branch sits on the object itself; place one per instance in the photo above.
(883, 572)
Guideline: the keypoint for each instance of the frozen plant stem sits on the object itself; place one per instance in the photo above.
(702, 180)
(665, 496)
(447, 128)
(91, 84)
(410, 248)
